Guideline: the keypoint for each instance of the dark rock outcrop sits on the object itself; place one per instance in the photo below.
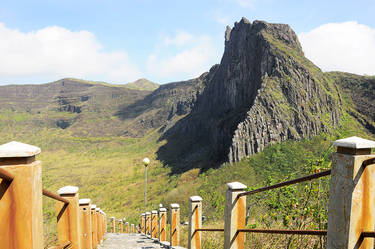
(264, 91)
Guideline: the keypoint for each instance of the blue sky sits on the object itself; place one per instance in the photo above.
(120, 41)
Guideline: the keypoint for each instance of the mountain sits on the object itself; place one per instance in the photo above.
(264, 91)
(142, 84)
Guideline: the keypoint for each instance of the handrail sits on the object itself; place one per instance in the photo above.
(6, 175)
(283, 184)
(209, 230)
(278, 231)
(62, 246)
(54, 196)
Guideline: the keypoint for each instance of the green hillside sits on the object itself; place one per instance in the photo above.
(264, 115)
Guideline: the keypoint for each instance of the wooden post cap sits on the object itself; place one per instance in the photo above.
(195, 198)
(67, 190)
(97, 209)
(143, 214)
(175, 206)
(93, 206)
(17, 149)
(236, 186)
(148, 213)
(126, 223)
(354, 145)
(112, 218)
(84, 202)
(162, 210)
(154, 212)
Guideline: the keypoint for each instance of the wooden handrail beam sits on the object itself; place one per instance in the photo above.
(62, 246)
(6, 175)
(54, 196)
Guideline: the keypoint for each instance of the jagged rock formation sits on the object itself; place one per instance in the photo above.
(264, 91)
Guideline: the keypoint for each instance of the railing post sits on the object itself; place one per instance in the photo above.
(86, 233)
(121, 226)
(98, 225)
(143, 223)
(148, 223)
(195, 222)
(126, 227)
(351, 207)
(93, 227)
(175, 224)
(132, 230)
(235, 216)
(68, 222)
(113, 225)
(21, 214)
(154, 224)
(162, 224)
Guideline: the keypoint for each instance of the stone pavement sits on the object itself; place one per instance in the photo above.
(127, 241)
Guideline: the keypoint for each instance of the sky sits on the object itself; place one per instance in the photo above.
(120, 41)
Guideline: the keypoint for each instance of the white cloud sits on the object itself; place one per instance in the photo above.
(347, 46)
(180, 39)
(55, 52)
(189, 56)
(246, 3)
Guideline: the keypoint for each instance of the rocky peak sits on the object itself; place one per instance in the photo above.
(264, 91)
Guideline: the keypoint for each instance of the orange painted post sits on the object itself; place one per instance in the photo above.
(351, 208)
(148, 223)
(126, 227)
(93, 227)
(154, 224)
(104, 224)
(235, 216)
(68, 221)
(162, 224)
(143, 228)
(21, 214)
(175, 224)
(195, 222)
(113, 225)
(132, 230)
(98, 225)
(86, 232)
(121, 226)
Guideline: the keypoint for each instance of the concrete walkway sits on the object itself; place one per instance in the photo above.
(127, 241)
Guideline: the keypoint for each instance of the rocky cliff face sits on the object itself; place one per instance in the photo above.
(264, 91)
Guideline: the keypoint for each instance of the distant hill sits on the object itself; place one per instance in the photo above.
(143, 85)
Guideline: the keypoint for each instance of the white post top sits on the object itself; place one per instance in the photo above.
(175, 206)
(68, 190)
(112, 218)
(354, 143)
(97, 209)
(17, 149)
(154, 212)
(148, 213)
(195, 198)
(84, 201)
(127, 223)
(143, 214)
(236, 186)
(119, 221)
(162, 209)
(93, 206)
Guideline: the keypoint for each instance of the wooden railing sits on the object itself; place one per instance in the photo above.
(80, 224)
(351, 212)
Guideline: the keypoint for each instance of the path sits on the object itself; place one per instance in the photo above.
(127, 241)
